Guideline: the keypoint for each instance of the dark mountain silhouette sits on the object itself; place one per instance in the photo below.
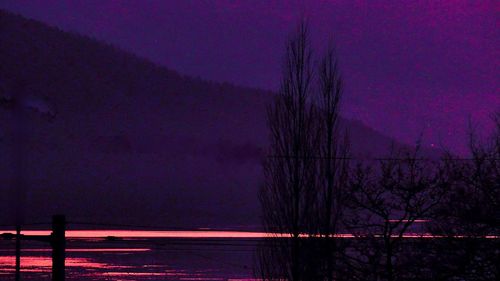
(102, 135)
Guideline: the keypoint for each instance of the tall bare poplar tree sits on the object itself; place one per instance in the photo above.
(333, 160)
(289, 193)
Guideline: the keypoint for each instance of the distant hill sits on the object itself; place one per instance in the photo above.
(104, 136)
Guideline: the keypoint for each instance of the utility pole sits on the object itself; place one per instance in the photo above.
(18, 253)
(58, 241)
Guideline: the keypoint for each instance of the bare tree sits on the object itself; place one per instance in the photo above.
(333, 160)
(470, 212)
(384, 206)
(473, 205)
(290, 190)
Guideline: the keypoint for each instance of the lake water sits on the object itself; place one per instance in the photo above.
(138, 255)
(128, 255)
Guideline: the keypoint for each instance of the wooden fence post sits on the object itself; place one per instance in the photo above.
(18, 253)
(58, 241)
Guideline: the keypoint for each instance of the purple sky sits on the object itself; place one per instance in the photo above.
(409, 68)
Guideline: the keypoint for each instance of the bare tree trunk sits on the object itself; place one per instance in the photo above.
(389, 272)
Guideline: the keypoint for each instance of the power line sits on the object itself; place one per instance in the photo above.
(379, 158)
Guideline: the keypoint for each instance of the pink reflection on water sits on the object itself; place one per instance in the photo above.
(138, 274)
(82, 250)
(201, 278)
(44, 264)
(149, 234)
(203, 234)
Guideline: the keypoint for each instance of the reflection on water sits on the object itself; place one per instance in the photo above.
(44, 264)
(126, 255)
(101, 250)
(144, 255)
(150, 234)
(197, 234)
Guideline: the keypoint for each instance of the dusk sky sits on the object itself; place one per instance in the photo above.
(408, 67)
(156, 136)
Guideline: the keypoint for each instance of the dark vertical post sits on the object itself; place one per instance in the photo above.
(58, 241)
(18, 253)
